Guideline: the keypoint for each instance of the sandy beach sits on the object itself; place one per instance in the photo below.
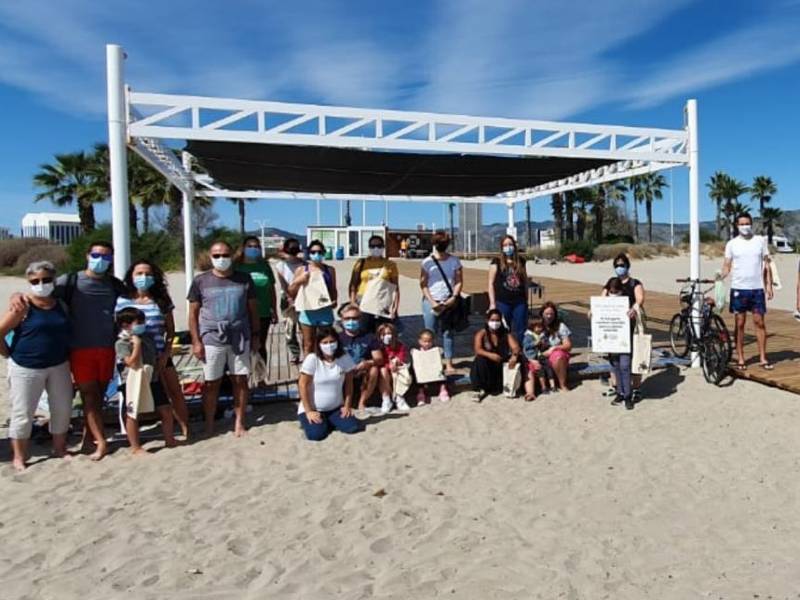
(691, 495)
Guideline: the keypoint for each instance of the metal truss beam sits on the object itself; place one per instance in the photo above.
(231, 120)
(164, 161)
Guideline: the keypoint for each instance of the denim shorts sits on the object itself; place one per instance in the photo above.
(744, 301)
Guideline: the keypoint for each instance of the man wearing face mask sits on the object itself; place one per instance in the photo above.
(224, 325)
(90, 297)
(747, 260)
(371, 271)
(365, 351)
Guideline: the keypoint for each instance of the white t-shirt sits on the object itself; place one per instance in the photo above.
(436, 284)
(748, 262)
(328, 380)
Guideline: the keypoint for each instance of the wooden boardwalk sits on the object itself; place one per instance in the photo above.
(783, 342)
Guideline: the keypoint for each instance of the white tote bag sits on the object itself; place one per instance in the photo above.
(402, 380)
(642, 357)
(378, 296)
(138, 397)
(512, 377)
(314, 294)
(427, 365)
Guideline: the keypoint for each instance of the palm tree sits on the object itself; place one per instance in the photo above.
(557, 204)
(770, 217)
(240, 203)
(72, 179)
(569, 214)
(715, 192)
(598, 203)
(731, 190)
(763, 189)
(651, 186)
(635, 184)
(584, 197)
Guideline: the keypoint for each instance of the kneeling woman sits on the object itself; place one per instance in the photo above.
(325, 373)
(493, 346)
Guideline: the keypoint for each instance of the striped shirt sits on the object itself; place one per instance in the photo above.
(154, 319)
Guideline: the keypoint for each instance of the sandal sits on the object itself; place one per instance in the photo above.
(767, 366)
(530, 397)
(741, 367)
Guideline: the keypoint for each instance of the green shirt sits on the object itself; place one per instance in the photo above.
(264, 281)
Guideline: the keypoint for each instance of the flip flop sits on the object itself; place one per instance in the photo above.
(741, 367)
(767, 366)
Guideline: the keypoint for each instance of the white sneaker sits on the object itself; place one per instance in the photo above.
(402, 405)
(386, 405)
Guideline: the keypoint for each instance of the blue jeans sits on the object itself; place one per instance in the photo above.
(516, 317)
(331, 420)
(621, 366)
(433, 323)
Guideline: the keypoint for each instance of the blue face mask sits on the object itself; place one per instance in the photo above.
(621, 271)
(351, 325)
(98, 265)
(316, 256)
(139, 329)
(252, 252)
(143, 282)
(508, 250)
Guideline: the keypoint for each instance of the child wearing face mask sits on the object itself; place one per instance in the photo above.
(396, 357)
(134, 349)
(426, 341)
(534, 343)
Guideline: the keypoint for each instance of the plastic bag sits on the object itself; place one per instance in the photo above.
(258, 370)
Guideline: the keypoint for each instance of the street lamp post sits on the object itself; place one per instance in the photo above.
(262, 223)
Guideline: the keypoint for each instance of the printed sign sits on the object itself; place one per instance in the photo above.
(611, 327)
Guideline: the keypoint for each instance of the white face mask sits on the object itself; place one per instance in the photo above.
(376, 252)
(495, 325)
(745, 230)
(42, 290)
(329, 349)
(387, 339)
(221, 264)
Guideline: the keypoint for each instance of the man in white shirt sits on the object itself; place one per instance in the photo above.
(747, 259)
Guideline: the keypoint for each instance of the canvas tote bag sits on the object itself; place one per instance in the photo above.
(378, 296)
(138, 397)
(512, 377)
(642, 357)
(402, 380)
(427, 365)
(314, 294)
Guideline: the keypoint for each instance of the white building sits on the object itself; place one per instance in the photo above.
(60, 228)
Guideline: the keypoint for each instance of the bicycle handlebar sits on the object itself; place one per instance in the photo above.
(687, 280)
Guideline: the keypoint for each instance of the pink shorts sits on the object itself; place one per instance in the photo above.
(534, 366)
(558, 355)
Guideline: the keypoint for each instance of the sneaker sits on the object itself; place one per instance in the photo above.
(402, 405)
(636, 395)
(617, 400)
(444, 396)
(422, 399)
(610, 392)
(386, 405)
(479, 396)
(629, 403)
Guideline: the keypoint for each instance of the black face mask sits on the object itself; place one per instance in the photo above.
(293, 251)
(441, 247)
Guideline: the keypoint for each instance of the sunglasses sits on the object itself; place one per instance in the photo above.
(376, 246)
(105, 257)
(42, 280)
(220, 256)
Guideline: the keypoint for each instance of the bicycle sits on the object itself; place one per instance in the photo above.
(709, 337)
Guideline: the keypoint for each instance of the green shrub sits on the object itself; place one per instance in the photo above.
(615, 238)
(54, 253)
(158, 247)
(584, 248)
(706, 237)
(11, 250)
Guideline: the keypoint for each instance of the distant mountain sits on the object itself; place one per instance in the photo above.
(274, 231)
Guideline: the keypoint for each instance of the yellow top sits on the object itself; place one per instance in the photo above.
(374, 267)
(404, 244)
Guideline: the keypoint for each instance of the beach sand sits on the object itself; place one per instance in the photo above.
(693, 494)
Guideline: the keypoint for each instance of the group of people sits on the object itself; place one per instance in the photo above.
(78, 330)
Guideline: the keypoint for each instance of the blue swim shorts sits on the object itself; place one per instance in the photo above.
(744, 301)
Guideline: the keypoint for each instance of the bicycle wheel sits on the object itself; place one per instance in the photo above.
(679, 335)
(717, 327)
(714, 358)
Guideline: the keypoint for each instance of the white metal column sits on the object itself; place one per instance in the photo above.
(363, 213)
(511, 229)
(694, 208)
(118, 158)
(188, 228)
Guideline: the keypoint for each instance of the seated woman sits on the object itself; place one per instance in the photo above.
(559, 344)
(326, 388)
(493, 346)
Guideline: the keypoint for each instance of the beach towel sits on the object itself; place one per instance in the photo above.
(402, 380)
(642, 357)
(314, 295)
(138, 397)
(512, 377)
(427, 365)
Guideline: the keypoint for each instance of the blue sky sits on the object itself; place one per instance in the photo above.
(632, 62)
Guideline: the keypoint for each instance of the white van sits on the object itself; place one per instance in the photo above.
(782, 244)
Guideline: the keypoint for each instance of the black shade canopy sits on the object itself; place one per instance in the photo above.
(243, 166)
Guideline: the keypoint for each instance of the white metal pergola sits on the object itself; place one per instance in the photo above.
(141, 120)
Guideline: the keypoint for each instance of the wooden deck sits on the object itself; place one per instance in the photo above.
(783, 342)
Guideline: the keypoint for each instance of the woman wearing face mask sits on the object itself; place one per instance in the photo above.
(38, 362)
(559, 344)
(288, 263)
(634, 290)
(249, 260)
(310, 320)
(147, 291)
(441, 281)
(326, 389)
(493, 346)
(374, 270)
(508, 286)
